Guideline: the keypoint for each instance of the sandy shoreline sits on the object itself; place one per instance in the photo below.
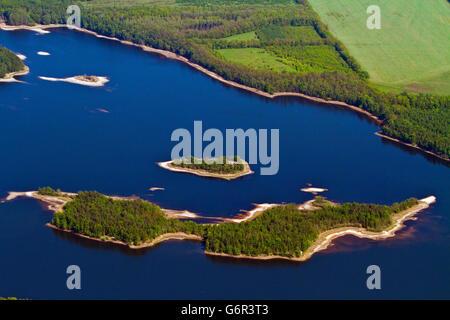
(148, 244)
(171, 55)
(326, 238)
(10, 77)
(168, 165)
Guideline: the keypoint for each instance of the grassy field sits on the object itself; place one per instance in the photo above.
(255, 58)
(242, 36)
(410, 51)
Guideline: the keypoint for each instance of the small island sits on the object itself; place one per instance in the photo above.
(85, 80)
(213, 168)
(284, 231)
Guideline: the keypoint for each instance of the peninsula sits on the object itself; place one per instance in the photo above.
(296, 231)
(11, 65)
(213, 168)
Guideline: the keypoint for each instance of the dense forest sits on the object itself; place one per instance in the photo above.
(283, 230)
(130, 221)
(296, 52)
(212, 165)
(287, 231)
(9, 62)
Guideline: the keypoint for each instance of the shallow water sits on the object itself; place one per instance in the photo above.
(52, 133)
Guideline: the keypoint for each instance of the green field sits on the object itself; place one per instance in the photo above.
(303, 33)
(242, 36)
(255, 58)
(410, 51)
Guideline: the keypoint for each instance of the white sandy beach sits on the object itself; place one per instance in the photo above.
(21, 56)
(313, 190)
(101, 81)
(156, 189)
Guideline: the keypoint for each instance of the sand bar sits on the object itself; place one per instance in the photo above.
(313, 190)
(21, 56)
(78, 80)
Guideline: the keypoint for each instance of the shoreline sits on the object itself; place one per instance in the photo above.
(202, 173)
(10, 77)
(147, 244)
(323, 241)
(174, 56)
(380, 134)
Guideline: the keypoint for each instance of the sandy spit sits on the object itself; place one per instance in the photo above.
(10, 77)
(101, 81)
(21, 56)
(313, 190)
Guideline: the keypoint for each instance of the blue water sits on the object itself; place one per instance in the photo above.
(51, 133)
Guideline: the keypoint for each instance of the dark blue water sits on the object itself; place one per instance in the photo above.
(51, 133)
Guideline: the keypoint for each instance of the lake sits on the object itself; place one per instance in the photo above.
(53, 134)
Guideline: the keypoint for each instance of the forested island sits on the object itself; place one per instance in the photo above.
(9, 63)
(282, 231)
(278, 46)
(214, 168)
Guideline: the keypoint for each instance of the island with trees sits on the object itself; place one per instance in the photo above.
(284, 231)
(10, 65)
(272, 48)
(223, 168)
